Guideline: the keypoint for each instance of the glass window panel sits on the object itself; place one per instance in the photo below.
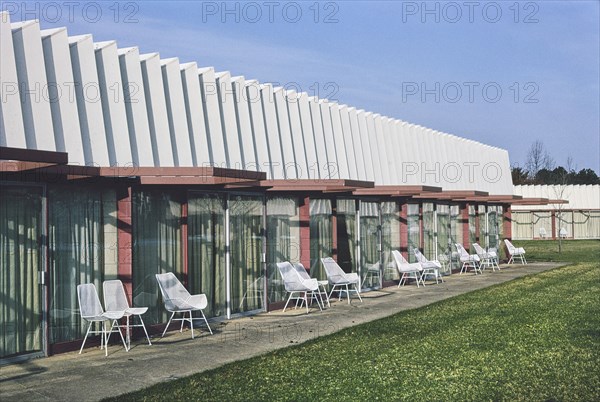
(245, 231)
(390, 227)
(472, 226)
(541, 220)
(346, 235)
(414, 230)
(586, 224)
(370, 238)
(444, 249)
(522, 227)
(321, 236)
(564, 221)
(456, 235)
(428, 231)
(481, 213)
(78, 221)
(156, 247)
(20, 259)
(206, 250)
(283, 241)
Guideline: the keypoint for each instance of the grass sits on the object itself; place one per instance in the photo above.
(534, 338)
(572, 250)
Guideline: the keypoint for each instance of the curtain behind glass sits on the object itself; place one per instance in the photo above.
(321, 232)
(444, 251)
(493, 227)
(414, 230)
(206, 251)
(541, 220)
(483, 233)
(456, 234)
(156, 218)
(522, 228)
(346, 231)
(247, 280)
(586, 224)
(20, 259)
(500, 216)
(472, 227)
(390, 228)
(428, 231)
(564, 220)
(76, 255)
(283, 241)
(369, 240)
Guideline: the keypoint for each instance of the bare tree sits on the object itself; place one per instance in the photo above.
(538, 158)
(560, 193)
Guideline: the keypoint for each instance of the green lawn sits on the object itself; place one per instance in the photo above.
(572, 250)
(535, 338)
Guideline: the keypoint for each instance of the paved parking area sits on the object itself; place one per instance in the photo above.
(92, 376)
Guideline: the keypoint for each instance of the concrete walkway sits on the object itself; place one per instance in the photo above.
(92, 376)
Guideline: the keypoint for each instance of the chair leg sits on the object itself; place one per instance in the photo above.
(306, 301)
(116, 322)
(128, 337)
(358, 293)
(288, 300)
(86, 335)
(106, 338)
(168, 323)
(191, 323)
(146, 332)
(206, 321)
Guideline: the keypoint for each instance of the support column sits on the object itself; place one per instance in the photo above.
(304, 212)
(124, 238)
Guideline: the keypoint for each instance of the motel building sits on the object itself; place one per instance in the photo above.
(121, 165)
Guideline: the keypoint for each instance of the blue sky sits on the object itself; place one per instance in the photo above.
(503, 73)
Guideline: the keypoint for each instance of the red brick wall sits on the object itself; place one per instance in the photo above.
(304, 212)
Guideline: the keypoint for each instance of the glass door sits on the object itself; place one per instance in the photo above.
(246, 253)
(283, 242)
(444, 249)
(390, 236)
(492, 227)
(206, 250)
(346, 234)
(321, 236)
(414, 231)
(21, 262)
(370, 245)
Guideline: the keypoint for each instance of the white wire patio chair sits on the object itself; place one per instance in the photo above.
(515, 252)
(468, 260)
(337, 279)
(429, 267)
(407, 270)
(91, 311)
(322, 284)
(298, 287)
(488, 258)
(178, 300)
(115, 299)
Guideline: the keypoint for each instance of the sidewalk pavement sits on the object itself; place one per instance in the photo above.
(92, 376)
